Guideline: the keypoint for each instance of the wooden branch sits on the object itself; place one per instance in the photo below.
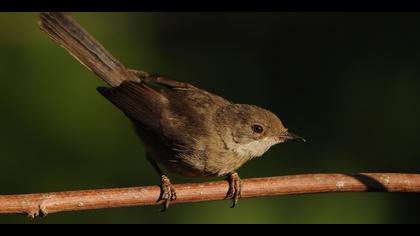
(46, 203)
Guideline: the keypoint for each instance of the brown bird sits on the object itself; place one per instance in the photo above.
(186, 129)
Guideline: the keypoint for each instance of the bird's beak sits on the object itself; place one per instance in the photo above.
(289, 136)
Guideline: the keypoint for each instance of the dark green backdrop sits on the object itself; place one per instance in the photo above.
(348, 82)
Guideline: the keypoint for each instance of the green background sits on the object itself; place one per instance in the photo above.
(347, 82)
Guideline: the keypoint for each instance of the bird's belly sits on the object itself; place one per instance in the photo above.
(199, 167)
(187, 170)
(185, 165)
(197, 164)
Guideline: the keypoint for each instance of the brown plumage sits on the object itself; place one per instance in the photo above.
(186, 129)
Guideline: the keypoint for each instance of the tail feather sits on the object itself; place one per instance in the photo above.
(81, 45)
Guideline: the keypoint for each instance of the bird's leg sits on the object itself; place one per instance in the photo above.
(167, 193)
(234, 192)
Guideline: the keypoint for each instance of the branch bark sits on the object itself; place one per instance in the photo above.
(46, 203)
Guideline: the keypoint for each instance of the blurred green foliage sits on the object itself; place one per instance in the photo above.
(348, 82)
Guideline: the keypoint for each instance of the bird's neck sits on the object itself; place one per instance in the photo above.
(252, 149)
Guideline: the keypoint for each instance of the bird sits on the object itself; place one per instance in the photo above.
(185, 129)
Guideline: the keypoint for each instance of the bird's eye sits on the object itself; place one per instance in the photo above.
(257, 129)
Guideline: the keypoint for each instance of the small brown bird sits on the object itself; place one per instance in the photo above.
(186, 129)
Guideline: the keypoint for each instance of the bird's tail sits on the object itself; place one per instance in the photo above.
(81, 45)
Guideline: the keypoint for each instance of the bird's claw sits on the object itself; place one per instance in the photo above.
(167, 193)
(234, 192)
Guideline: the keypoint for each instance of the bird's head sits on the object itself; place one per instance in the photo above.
(253, 130)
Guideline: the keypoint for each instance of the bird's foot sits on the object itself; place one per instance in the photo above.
(234, 192)
(167, 193)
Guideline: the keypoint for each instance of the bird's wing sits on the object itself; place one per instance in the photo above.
(138, 101)
(181, 114)
(189, 119)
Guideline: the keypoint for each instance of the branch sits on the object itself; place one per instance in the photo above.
(46, 203)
